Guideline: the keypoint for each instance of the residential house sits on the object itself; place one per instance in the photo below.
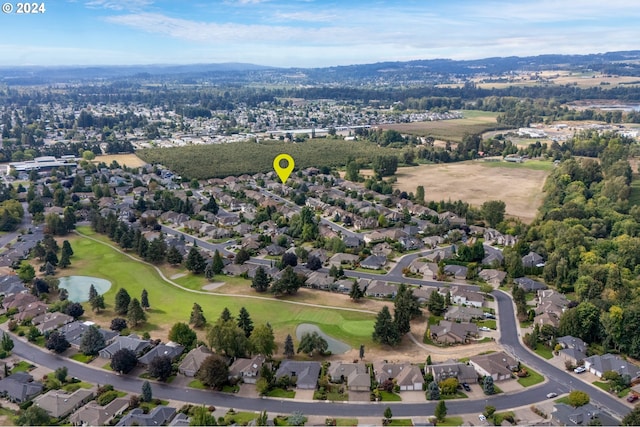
(566, 415)
(459, 313)
(352, 241)
(170, 349)
(492, 256)
(10, 285)
(19, 387)
(18, 300)
(499, 365)
(447, 332)
(319, 280)
(598, 365)
(191, 363)
(440, 254)
(342, 258)
(93, 414)
(374, 262)
(532, 259)
(59, 403)
(131, 342)
(380, 289)
(452, 369)
(160, 415)
(529, 285)
(551, 301)
(464, 296)
(407, 376)
(355, 375)
(574, 349)
(428, 270)
(432, 241)
(73, 333)
(374, 236)
(31, 310)
(49, 321)
(246, 370)
(456, 271)
(493, 277)
(306, 373)
(180, 420)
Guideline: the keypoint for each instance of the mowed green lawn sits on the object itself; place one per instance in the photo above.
(170, 304)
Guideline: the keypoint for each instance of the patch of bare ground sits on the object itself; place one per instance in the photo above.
(213, 286)
(519, 188)
(129, 160)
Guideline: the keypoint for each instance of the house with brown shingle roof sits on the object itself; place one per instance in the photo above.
(193, 360)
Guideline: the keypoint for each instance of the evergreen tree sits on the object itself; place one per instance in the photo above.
(361, 351)
(64, 261)
(195, 261)
(385, 330)
(487, 385)
(289, 350)
(97, 303)
(135, 313)
(92, 341)
(226, 315)
(157, 250)
(435, 304)
(387, 415)
(289, 282)
(356, 293)
(174, 257)
(433, 391)
(122, 301)
(217, 263)
(406, 307)
(6, 343)
(244, 322)
(261, 280)
(92, 292)
(208, 271)
(144, 300)
(311, 342)
(242, 256)
(441, 411)
(197, 318)
(147, 394)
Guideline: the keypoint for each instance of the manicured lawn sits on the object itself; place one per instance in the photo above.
(170, 304)
(83, 358)
(458, 395)
(239, 418)
(278, 392)
(231, 389)
(346, 421)
(490, 323)
(400, 422)
(601, 384)
(197, 384)
(22, 366)
(107, 366)
(564, 400)
(451, 421)
(389, 397)
(533, 378)
(544, 351)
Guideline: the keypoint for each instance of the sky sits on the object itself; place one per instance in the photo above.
(310, 33)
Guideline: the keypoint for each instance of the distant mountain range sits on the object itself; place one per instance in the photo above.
(424, 71)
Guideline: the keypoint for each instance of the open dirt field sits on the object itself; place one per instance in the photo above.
(475, 183)
(130, 160)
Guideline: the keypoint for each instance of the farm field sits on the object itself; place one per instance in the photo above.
(518, 185)
(170, 304)
(453, 130)
(222, 160)
(129, 160)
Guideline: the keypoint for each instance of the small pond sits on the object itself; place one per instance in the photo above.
(78, 286)
(335, 346)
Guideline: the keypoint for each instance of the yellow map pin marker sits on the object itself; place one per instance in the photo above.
(283, 172)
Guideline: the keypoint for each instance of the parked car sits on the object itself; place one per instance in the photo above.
(552, 395)
(484, 329)
(489, 316)
(580, 369)
(482, 417)
(632, 398)
(466, 387)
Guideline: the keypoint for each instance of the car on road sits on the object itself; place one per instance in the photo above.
(580, 370)
(632, 398)
(552, 395)
(466, 387)
(482, 418)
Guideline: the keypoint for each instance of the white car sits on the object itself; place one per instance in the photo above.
(580, 369)
(552, 395)
(482, 418)
(484, 329)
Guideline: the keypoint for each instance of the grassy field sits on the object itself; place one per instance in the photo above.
(451, 421)
(221, 160)
(476, 182)
(533, 378)
(474, 121)
(170, 304)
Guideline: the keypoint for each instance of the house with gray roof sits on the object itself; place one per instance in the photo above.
(306, 373)
(374, 262)
(50, 321)
(73, 333)
(59, 403)
(529, 285)
(19, 387)
(452, 369)
(247, 370)
(574, 349)
(355, 375)
(93, 414)
(171, 349)
(566, 415)
(380, 289)
(456, 271)
(463, 314)
(10, 285)
(447, 332)
(498, 365)
(407, 376)
(160, 415)
(598, 365)
(131, 342)
(532, 259)
(191, 363)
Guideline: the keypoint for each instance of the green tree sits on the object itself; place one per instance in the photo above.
(217, 264)
(433, 391)
(242, 256)
(160, 368)
(289, 282)
(578, 398)
(26, 272)
(202, 417)
(288, 347)
(182, 334)
(6, 343)
(92, 341)
(97, 303)
(441, 411)
(214, 372)
(197, 318)
(436, 304)
(61, 373)
(493, 212)
(135, 313)
(261, 280)
(632, 418)
(226, 337)
(419, 197)
(263, 341)
(352, 171)
(34, 416)
(122, 301)
(487, 385)
(384, 165)
(387, 415)
(57, 342)
(244, 322)
(147, 394)
(65, 261)
(195, 261)
(123, 361)
(311, 342)
(174, 257)
(449, 385)
(226, 315)
(144, 299)
(385, 330)
(92, 292)
(356, 293)
(406, 307)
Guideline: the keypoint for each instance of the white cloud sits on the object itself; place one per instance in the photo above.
(119, 4)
